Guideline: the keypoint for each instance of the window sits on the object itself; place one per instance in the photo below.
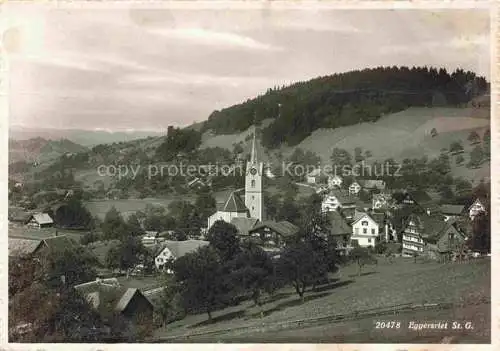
(364, 223)
(253, 197)
(369, 240)
(253, 183)
(373, 231)
(160, 260)
(364, 230)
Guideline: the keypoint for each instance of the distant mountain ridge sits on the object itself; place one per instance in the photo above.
(41, 150)
(79, 136)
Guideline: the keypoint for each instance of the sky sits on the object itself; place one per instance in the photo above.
(136, 69)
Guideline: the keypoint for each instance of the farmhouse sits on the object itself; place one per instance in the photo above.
(451, 212)
(54, 244)
(40, 220)
(418, 231)
(477, 207)
(107, 296)
(354, 188)
(273, 234)
(365, 230)
(448, 241)
(172, 250)
(18, 216)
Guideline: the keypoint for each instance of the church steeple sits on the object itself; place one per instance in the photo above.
(253, 155)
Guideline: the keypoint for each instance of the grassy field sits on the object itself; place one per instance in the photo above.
(43, 233)
(126, 207)
(383, 285)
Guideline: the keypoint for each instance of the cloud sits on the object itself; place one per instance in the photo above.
(211, 37)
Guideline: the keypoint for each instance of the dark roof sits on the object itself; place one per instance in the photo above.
(444, 244)
(108, 294)
(378, 217)
(243, 224)
(16, 214)
(359, 215)
(233, 204)
(430, 226)
(283, 228)
(338, 225)
(20, 247)
(59, 242)
(452, 209)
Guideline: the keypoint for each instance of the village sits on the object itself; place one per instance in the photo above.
(131, 269)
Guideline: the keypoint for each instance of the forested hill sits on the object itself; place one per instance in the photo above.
(345, 99)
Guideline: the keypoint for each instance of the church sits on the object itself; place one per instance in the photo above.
(252, 208)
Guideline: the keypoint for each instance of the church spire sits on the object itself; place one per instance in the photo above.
(253, 156)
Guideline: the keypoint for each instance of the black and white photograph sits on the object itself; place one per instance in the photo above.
(247, 172)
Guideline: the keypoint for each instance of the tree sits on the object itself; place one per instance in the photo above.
(456, 147)
(362, 257)
(300, 266)
(69, 266)
(358, 155)
(134, 226)
(127, 255)
(252, 270)
(474, 138)
(206, 205)
(368, 154)
(463, 187)
(199, 276)
(223, 237)
(289, 211)
(73, 214)
(481, 236)
(476, 157)
(113, 226)
(340, 158)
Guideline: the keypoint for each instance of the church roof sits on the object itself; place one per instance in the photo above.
(234, 204)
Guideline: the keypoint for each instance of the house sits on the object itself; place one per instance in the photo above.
(334, 181)
(244, 225)
(40, 220)
(451, 212)
(449, 240)
(417, 230)
(23, 247)
(340, 231)
(196, 184)
(478, 206)
(419, 200)
(354, 188)
(107, 296)
(314, 176)
(372, 184)
(365, 230)
(382, 201)
(233, 207)
(337, 199)
(273, 234)
(172, 250)
(18, 216)
(53, 244)
(150, 237)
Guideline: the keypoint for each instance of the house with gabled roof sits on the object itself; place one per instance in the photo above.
(233, 207)
(107, 296)
(172, 250)
(451, 211)
(334, 181)
(365, 230)
(54, 244)
(354, 188)
(478, 206)
(418, 230)
(273, 234)
(40, 220)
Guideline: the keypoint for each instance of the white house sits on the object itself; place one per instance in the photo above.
(365, 230)
(477, 207)
(172, 250)
(330, 203)
(354, 188)
(40, 220)
(334, 181)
